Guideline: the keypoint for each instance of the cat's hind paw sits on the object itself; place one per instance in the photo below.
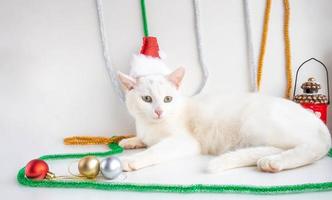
(269, 164)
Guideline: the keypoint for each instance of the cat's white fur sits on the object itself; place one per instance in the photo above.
(241, 130)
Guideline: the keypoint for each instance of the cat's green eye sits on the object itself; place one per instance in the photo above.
(147, 99)
(168, 99)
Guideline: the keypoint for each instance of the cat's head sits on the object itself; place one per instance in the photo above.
(153, 97)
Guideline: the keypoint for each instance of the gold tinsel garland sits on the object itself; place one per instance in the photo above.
(287, 47)
(92, 140)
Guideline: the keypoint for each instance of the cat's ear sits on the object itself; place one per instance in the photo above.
(127, 81)
(176, 76)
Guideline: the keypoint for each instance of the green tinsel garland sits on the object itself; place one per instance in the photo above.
(285, 189)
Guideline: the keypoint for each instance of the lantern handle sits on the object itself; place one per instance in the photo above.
(327, 77)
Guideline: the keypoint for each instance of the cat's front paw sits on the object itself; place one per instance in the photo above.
(131, 143)
(133, 163)
(269, 164)
(127, 164)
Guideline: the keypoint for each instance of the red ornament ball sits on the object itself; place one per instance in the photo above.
(36, 169)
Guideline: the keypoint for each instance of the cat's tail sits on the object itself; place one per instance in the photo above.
(241, 158)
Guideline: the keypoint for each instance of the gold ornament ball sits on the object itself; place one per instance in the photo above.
(89, 167)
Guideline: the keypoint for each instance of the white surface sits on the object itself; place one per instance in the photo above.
(192, 170)
(187, 171)
(53, 83)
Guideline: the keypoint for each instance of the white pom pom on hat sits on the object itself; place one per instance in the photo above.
(149, 61)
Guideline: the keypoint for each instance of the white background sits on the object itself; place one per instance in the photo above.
(53, 83)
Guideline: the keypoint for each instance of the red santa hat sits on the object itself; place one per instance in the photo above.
(150, 47)
(149, 61)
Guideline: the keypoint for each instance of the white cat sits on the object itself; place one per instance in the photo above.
(244, 130)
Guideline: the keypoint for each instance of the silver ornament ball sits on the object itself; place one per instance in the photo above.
(111, 167)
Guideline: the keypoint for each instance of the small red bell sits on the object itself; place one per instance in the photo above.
(310, 98)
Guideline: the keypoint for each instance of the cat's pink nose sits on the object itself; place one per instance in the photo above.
(158, 112)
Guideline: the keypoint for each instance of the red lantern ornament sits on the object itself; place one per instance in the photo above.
(310, 98)
(37, 169)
